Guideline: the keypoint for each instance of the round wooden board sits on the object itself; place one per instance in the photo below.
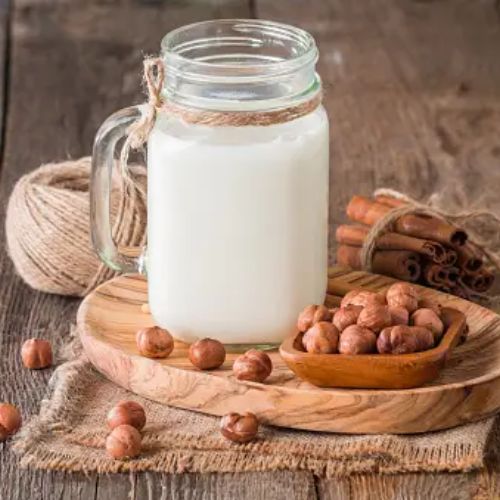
(467, 389)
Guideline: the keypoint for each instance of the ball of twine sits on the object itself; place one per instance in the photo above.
(48, 226)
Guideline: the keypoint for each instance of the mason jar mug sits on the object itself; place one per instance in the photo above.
(237, 202)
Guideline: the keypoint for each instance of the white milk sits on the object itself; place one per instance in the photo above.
(237, 227)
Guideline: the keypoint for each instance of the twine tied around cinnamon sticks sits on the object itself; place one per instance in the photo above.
(398, 222)
(154, 77)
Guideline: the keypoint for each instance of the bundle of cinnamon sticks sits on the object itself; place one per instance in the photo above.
(418, 248)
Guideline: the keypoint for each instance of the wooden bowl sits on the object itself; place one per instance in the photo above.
(375, 371)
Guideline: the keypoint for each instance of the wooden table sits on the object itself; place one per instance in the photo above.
(413, 93)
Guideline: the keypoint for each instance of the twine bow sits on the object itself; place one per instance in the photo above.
(154, 79)
(138, 132)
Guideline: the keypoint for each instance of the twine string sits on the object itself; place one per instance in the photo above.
(154, 75)
(413, 207)
(138, 132)
(386, 224)
(483, 245)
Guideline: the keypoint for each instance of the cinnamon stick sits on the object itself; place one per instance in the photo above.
(434, 274)
(452, 276)
(400, 264)
(451, 257)
(469, 258)
(479, 281)
(366, 211)
(355, 235)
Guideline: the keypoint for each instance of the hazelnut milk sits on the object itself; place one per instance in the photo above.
(237, 227)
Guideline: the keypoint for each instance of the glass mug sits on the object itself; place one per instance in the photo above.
(237, 215)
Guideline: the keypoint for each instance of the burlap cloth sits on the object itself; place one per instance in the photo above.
(70, 431)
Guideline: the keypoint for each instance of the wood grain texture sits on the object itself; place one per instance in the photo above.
(226, 486)
(4, 54)
(466, 389)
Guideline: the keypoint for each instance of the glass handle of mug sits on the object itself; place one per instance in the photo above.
(103, 161)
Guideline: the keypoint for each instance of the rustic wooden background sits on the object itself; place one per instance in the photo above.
(413, 93)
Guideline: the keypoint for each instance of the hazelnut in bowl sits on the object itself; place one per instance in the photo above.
(376, 341)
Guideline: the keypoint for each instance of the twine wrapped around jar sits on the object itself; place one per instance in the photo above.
(154, 78)
(47, 226)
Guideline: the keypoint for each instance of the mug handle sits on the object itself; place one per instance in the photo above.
(103, 160)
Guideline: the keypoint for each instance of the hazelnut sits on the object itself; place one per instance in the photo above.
(254, 365)
(425, 338)
(154, 342)
(375, 317)
(430, 320)
(399, 315)
(402, 295)
(123, 442)
(10, 420)
(357, 340)
(239, 428)
(321, 338)
(36, 354)
(384, 344)
(361, 297)
(207, 354)
(312, 314)
(127, 413)
(430, 304)
(403, 339)
(346, 316)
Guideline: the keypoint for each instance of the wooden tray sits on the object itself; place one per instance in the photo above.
(467, 389)
(375, 371)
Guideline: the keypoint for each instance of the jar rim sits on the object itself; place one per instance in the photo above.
(239, 64)
(174, 48)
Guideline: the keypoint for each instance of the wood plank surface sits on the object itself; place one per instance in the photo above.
(413, 92)
(4, 47)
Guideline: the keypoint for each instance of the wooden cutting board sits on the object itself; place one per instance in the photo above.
(467, 389)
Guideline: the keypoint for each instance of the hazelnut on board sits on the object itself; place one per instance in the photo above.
(361, 297)
(127, 413)
(207, 354)
(10, 420)
(239, 428)
(154, 342)
(346, 316)
(321, 338)
(403, 339)
(123, 442)
(399, 315)
(254, 365)
(375, 317)
(36, 354)
(312, 314)
(430, 320)
(357, 340)
(402, 295)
